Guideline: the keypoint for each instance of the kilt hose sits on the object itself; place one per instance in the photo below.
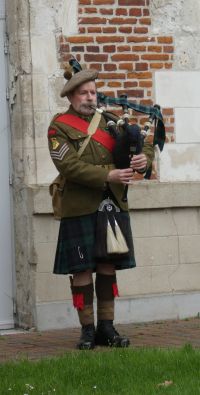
(76, 246)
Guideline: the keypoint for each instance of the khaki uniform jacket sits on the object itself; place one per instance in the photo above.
(85, 176)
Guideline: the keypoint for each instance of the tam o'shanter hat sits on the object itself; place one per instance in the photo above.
(78, 78)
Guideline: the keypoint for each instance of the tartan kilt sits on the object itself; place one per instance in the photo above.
(76, 246)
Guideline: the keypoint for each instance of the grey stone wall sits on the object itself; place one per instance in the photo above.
(179, 18)
(23, 155)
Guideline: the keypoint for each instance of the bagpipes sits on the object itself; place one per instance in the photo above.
(130, 137)
(113, 232)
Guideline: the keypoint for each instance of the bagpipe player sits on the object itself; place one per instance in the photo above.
(89, 179)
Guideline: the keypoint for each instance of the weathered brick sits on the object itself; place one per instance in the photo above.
(125, 29)
(160, 57)
(80, 10)
(156, 65)
(80, 39)
(169, 129)
(124, 57)
(109, 39)
(109, 29)
(135, 12)
(132, 92)
(168, 111)
(96, 66)
(103, 2)
(126, 66)
(92, 21)
(165, 40)
(127, 72)
(106, 11)
(77, 48)
(168, 48)
(81, 30)
(168, 65)
(145, 21)
(145, 11)
(94, 29)
(141, 66)
(121, 11)
(130, 84)
(92, 48)
(145, 84)
(64, 47)
(109, 48)
(154, 48)
(140, 75)
(110, 76)
(114, 84)
(141, 30)
(123, 21)
(110, 67)
(140, 39)
(99, 84)
(146, 102)
(96, 58)
(139, 48)
(123, 48)
(85, 2)
(132, 2)
(91, 10)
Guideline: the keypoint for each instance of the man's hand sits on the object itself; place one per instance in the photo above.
(138, 162)
(120, 176)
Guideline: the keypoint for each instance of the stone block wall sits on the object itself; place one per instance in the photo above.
(165, 283)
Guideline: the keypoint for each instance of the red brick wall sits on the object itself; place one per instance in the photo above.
(114, 38)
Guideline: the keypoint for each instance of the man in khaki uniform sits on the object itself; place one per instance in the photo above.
(86, 180)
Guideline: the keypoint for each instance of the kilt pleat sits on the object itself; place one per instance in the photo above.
(76, 246)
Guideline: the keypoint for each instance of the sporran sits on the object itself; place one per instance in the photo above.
(111, 239)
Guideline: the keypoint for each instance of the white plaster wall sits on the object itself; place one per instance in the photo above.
(180, 90)
(47, 20)
(180, 162)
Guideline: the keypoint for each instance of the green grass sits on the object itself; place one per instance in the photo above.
(125, 371)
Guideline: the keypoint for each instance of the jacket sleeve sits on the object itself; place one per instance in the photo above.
(148, 150)
(68, 163)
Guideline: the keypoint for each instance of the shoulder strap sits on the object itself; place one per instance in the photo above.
(81, 125)
(94, 123)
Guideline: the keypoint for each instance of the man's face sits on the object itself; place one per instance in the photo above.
(83, 97)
